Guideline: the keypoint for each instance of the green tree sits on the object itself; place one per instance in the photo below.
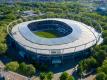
(100, 56)
(49, 76)
(103, 68)
(30, 70)
(22, 68)
(12, 66)
(80, 68)
(42, 76)
(71, 78)
(91, 63)
(10, 16)
(104, 34)
(27, 70)
(101, 76)
(105, 40)
(104, 47)
(64, 76)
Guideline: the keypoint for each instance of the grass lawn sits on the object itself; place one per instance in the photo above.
(46, 34)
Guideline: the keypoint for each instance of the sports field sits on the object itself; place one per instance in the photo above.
(46, 34)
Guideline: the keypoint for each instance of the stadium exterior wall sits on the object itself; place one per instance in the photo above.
(43, 58)
(40, 58)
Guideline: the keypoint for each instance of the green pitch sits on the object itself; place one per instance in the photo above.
(46, 34)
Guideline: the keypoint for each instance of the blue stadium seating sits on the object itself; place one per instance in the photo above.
(56, 26)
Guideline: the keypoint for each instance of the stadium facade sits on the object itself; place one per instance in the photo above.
(74, 42)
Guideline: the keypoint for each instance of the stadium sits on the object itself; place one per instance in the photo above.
(54, 40)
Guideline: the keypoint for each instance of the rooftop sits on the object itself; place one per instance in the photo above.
(82, 37)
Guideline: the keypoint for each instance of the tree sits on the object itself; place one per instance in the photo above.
(105, 40)
(42, 76)
(12, 66)
(71, 78)
(30, 70)
(22, 68)
(3, 48)
(91, 63)
(104, 34)
(86, 65)
(27, 70)
(100, 56)
(49, 76)
(96, 48)
(101, 76)
(10, 16)
(104, 47)
(105, 62)
(80, 68)
(64, 76)
(103, 68)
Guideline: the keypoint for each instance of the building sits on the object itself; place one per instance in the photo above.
(28, 13)
(74, 42)
(102, 10)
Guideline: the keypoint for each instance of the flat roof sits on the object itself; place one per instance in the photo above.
(88, 38)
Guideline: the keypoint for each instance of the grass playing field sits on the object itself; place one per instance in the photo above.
(46, 34)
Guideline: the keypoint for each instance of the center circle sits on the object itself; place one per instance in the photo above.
(50, 29)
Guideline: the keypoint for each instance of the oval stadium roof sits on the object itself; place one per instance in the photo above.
(82, 37)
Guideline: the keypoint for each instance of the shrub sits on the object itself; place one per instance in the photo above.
(12, 66)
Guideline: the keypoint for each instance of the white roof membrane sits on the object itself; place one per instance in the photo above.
(82, 37)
